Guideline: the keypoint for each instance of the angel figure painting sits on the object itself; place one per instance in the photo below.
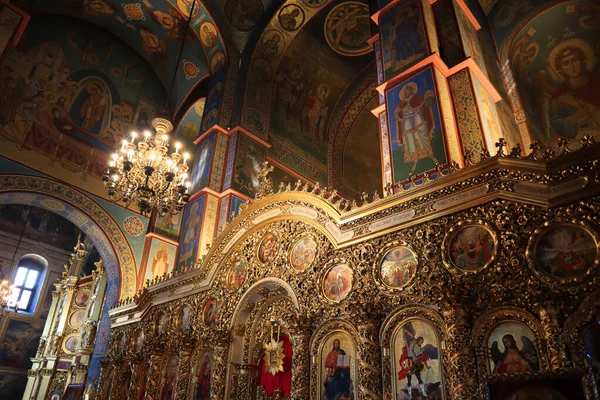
(418, 371)
(512, 347)
(558, 72)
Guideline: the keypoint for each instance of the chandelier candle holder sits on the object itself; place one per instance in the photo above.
(142, 172)
(6, 290)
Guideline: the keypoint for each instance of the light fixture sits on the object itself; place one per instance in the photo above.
(143, 172)
(6, 290)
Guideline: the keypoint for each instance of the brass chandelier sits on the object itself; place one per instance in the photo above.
(143, 172)
(6, 290)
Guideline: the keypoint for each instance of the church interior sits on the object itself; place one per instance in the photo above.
(300, 199)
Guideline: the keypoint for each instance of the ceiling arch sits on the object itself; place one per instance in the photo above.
(155, 29)
(304, 60)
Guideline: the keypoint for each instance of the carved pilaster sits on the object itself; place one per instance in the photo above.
(300, 366)
(120, 382)
(138, 380)
(222, 341)
(240, 383)
(557, 349)
(153, 390)
(369, 369)
(461, 370)
(184, 374)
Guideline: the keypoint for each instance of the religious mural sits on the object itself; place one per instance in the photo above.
(168, 225)
(337, 282)
(160, 259)
(417, 366)
(169, 383)
(338, 366)
(565, 252)
(210, 312)
(268, 248)
(202, 163)
(403, 39)
(416, 134)
(557, 72)
(249, 159)
(20, 343)
(190, 233)
(303, 253)
(42, 225)
(512, 349)
(398, 266)
(71, 93)
(471, 247)
(202, 375)
(303, 99)
(243, 15)
(236, 275)
(188, 129)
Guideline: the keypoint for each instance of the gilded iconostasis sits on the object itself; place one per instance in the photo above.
(392, 199)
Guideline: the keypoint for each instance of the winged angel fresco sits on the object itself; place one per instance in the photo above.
(513, 359)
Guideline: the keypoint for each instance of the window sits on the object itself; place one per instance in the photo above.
(26, 284)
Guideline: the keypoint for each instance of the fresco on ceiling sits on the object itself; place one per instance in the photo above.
(190, 234)
(160, 260)
(416, 133)
(154, 30)
(417, 362)
(480, 46)
(362, 154)
(189, 127)
(305, 88)
(249, 159)
(508, 13)
(243, 15)
(348, 27)
(20, 343)
(557, 72)
(71, 93)
(42, 225)
(403, 39)
(202, 163)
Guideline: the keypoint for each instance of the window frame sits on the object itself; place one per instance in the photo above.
(22, 288)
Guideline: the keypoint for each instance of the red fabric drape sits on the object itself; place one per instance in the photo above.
(281, 380)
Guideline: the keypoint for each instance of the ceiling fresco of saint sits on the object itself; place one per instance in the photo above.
(155, 29)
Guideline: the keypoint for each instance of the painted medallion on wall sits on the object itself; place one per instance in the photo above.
(202, 375)
(403, 39)
(303, 253)
(210, 312)
(512, 347)
(273, 43)
(417, 362)
(82, 297)
(268, 248)
(536, 393)
(469, 248)
(170, 378)
(347, 28)
(76, 319)
(183, 319)
(208, 34)
(70, 344)
(398, 266)
(291, 17)
(563, 252)
(337, 282)
(415, 126)
(338, 358)
(235, 275)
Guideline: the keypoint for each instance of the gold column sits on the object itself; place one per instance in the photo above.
(301, 359)
(557, 349)
(184, 374)
(222, 339)
(153, 388)
(118, 388)
(369, 363)
(461, 368)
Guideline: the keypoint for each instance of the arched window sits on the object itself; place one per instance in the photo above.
(27, 282)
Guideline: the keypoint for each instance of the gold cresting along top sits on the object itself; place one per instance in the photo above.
(350, 214)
